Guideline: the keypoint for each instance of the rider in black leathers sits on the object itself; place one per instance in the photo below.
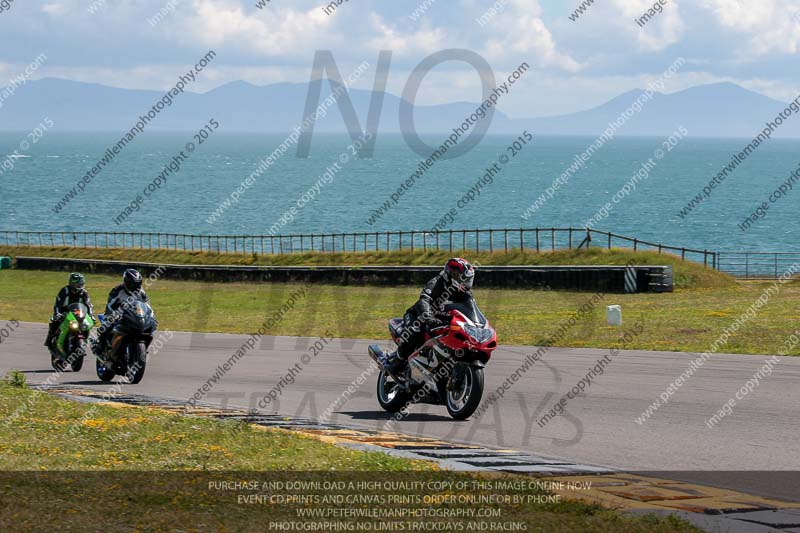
(131, 287)
(74, 292)
(453, 282)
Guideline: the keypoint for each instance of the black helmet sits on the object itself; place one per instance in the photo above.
(76, 282)
(132, 280)
(459, 274)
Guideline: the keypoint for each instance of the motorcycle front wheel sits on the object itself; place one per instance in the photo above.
(56, 363)
(77, 355)
(465, 398)
(391, 395)
(137, 362)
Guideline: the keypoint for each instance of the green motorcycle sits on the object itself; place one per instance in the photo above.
(70, 346)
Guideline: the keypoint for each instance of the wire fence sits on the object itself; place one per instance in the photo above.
(757, 265)
(477, 240)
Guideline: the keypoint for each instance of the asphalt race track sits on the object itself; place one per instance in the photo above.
(599, 427)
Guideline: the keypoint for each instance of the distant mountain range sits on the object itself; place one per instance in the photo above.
(715, 110)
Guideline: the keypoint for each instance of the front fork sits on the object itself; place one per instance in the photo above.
(459, 372)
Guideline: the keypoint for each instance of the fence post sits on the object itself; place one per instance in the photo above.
(537, 240)
(776, 266)
(553, 238)
(491, 244)
(570, 238)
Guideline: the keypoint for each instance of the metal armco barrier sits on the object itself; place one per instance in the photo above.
(609, 278)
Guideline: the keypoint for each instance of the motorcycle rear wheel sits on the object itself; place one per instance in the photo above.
(461, 403)
(391, 395)
(104, 373)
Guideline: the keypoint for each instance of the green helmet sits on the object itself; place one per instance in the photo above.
(76, 281)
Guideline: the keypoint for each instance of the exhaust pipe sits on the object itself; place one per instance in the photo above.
(376, 354)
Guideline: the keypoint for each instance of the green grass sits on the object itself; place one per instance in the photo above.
(686, 320)
(49, 433)
(686, 273)
(110, 468)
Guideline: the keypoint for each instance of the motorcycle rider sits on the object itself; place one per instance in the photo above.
(130, 288)
(74, 292)
(452, 283)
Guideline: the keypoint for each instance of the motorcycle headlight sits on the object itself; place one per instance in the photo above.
(73, 325)
(479, 334)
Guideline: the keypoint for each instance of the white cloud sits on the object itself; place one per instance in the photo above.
(768, 26)
(54, 9)
(425, 40)
(279, 31)
(660, 32)
(519, 32)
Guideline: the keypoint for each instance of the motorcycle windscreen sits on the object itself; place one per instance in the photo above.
(79, 311)
(138, 318)
(469, 308)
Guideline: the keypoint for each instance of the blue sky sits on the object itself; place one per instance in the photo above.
(576, 64)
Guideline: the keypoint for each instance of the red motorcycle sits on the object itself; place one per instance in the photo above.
(447, 369)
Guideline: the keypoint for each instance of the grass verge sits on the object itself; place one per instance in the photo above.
(133, 468)
(686, 320)
(686, 273)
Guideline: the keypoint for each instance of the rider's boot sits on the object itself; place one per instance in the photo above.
(99, 346)
(394, 364)
(51, 334)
